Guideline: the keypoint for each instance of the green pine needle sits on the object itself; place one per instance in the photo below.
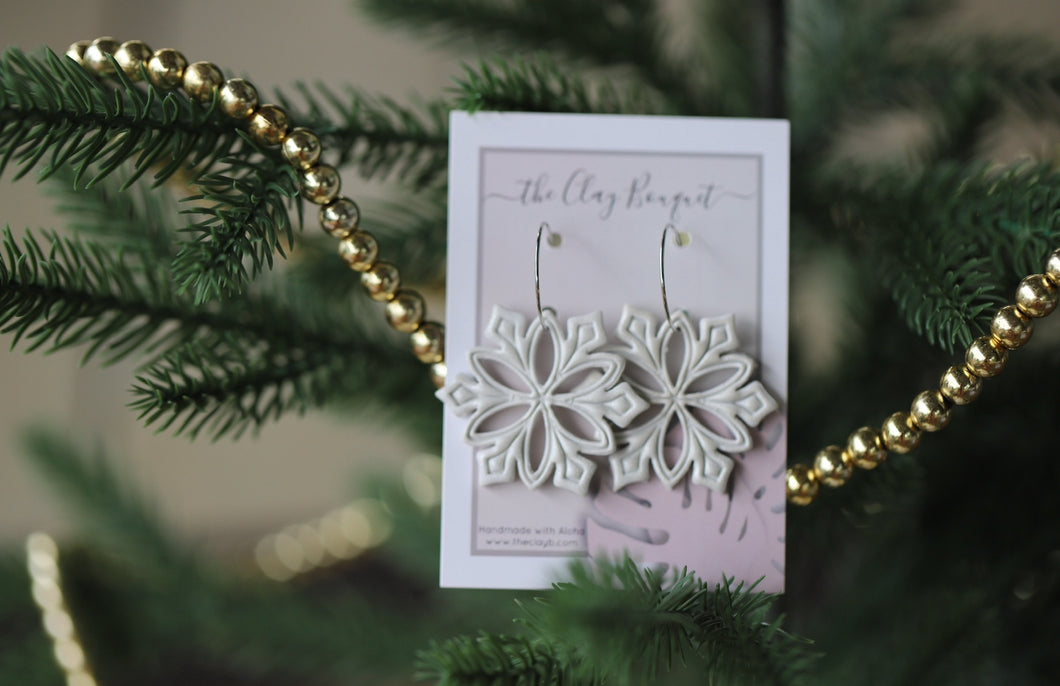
(241, 217)
(617, 623)
(53, 112)
(624, 33)
(541, 85)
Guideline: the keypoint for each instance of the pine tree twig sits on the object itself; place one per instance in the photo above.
(380, 136)
(541, 85)
(52, 111)
(244, 210)
(973, 234)
(626, 33)
(487, 660)
(74, 293)
(224, 367)
(229, 390)
(617, 623)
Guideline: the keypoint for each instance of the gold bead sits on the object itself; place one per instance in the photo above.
(1052, 265)
(96, 57)
(268, 125)
(340, 217)
(801, 484)
(302, 148)
(405, 310)
(238, 98)
(76, 51)
(986, 357)
(865, 449)
(1011, 327)
(132, 56)
(428, 342)
(899, 434)
(320, 184)
(201, 80)
(381, 281)
(438, 373)
(930, 411)
(359, 250)
(831, 467)
(1036, 295)
(166, 68)
(959, 385)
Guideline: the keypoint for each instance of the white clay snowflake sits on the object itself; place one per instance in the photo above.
(707, 393)
(535, 424)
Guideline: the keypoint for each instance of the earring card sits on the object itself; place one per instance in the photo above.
(607, 187)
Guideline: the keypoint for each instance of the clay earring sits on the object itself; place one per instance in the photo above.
(706, 393)
(546, 399)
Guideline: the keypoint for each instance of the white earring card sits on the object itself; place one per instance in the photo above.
(697, 479)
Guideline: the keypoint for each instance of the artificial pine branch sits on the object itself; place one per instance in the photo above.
(540, 85)
(952, 241)
(497, 660)
(227, 367)
(52, 111)
(244, 217)
(623, 33)
(378, 135)
(229, 390)
(619, 624)
(74, 293)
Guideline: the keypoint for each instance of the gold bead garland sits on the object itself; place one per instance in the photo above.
(42, 560)
(1011, 328)
(319, 183)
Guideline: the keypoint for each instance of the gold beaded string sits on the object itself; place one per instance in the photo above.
(42, 560)
(867, 447)
(319, 183)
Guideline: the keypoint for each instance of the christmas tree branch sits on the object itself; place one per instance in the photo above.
(487, 660)
(232, 388)
(618, 623)
(541, 85)
(270, 353)
(51, 110)
(626, 33)
(244, 215)
(953, 241)
(380, 136)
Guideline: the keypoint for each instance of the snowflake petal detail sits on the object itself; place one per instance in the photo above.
(708, 395)
(536, 424)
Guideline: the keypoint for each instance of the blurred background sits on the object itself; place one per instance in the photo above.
(298, 467)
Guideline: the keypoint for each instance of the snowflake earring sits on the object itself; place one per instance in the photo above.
(707, 393)
(546, 399)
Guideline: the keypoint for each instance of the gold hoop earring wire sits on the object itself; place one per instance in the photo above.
(681, 239)
(554, 240)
